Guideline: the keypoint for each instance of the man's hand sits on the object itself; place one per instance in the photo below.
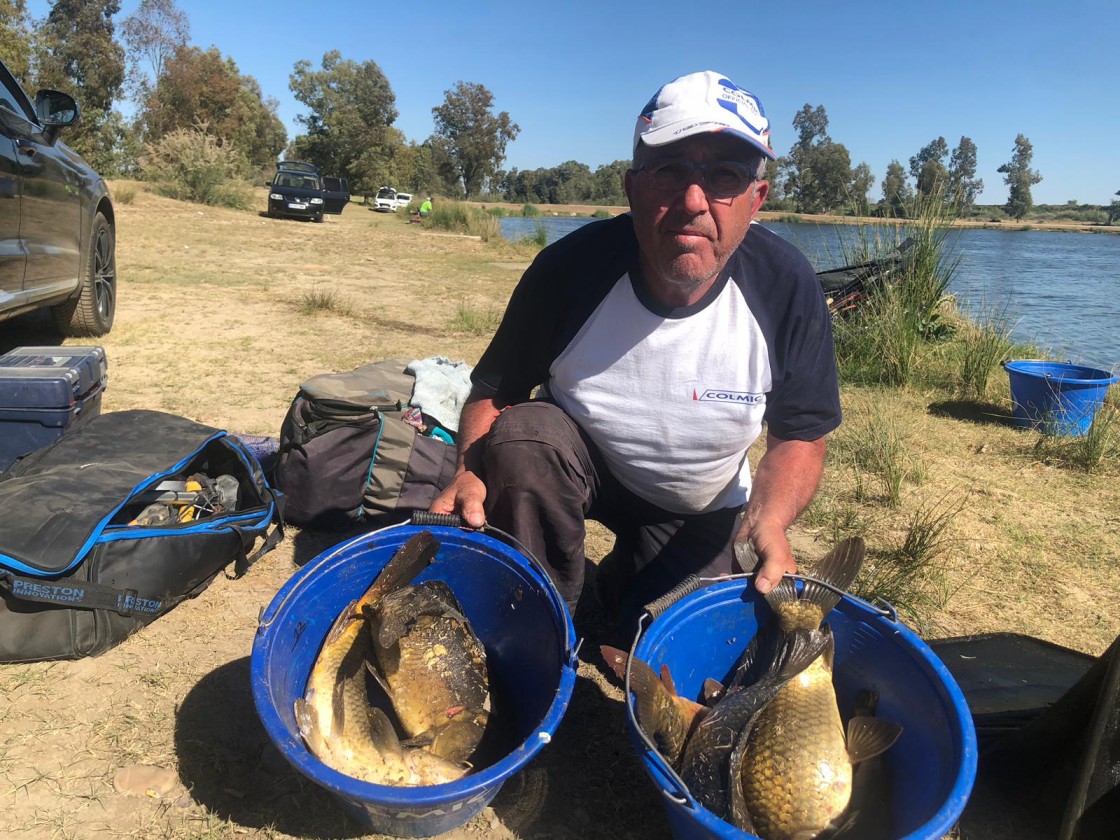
(464, 496)
(767, 553)
(784, 483)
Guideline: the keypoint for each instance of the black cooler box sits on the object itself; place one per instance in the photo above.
(46, 392)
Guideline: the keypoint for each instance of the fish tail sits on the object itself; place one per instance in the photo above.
(409, 560)
(799, 649)
(838, 569)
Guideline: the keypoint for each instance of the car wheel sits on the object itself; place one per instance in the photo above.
(318, 218)
(91, 312)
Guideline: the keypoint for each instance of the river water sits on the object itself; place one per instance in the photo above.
(1058, 291)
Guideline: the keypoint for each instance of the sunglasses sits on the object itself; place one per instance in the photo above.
(721, 178)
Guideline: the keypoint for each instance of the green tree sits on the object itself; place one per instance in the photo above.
(1019, 178)
(862, 182)
(1113, 210)
(15, 37)
(475, 136)
(151, 35)
(817, 173)
(927, 168)
(897, 194)
(964, 186)
(76, 52)
(200, 87)
(352, 109)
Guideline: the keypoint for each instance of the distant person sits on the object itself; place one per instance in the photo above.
(426, 207)
(663, 341)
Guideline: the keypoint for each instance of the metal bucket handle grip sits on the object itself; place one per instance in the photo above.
(656, 608)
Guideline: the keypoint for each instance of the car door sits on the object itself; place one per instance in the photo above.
(13, 257)
(51, 210)
(336, 195)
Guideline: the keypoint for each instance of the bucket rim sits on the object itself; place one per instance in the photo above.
(1086, 374)
(409, 799)
(939, 823)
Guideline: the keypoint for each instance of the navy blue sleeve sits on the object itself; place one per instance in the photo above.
(786, 297)
(555, 295)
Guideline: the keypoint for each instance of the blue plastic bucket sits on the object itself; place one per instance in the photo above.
(516, 613)
(932, 767)
(1058, 398)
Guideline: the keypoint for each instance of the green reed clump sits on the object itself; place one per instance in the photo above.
(458, 217)
(1094, 451)
(475, 321)
(539, 237)
(876, 445)
(601, 214)
(911, 576)
(984, 343)
(318, 299)
(530, 211)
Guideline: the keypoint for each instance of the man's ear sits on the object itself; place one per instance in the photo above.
(761, 190)
(628, 184)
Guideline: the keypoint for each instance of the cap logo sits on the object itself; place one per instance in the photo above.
(741, 104)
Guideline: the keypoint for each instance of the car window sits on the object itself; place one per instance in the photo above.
(13, 99)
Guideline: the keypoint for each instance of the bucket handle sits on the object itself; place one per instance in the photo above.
(453, 520)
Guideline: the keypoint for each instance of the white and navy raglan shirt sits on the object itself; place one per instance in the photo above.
(672, 396)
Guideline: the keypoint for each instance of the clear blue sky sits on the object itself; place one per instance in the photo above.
(892, 74)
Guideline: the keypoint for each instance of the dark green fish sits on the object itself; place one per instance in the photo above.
(433, 668)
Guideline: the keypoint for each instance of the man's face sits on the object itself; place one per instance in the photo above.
(685, 237)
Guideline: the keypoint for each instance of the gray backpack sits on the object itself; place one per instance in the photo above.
(347, 453)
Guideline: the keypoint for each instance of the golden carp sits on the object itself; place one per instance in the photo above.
(790, 772)
(335, 717)
(665, 716)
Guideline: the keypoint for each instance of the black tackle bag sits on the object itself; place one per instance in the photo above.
(113, 525)
(347, 453)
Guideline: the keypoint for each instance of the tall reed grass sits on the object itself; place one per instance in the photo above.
(458, 217)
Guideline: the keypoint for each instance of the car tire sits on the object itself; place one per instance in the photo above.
(91, 312)
(318, 218)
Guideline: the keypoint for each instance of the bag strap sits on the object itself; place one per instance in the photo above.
(86, 596)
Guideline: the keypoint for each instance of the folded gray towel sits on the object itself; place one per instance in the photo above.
(441, 388)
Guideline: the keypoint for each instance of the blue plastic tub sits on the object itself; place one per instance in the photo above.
(516, 612)
(932, 767)
(1057, 398)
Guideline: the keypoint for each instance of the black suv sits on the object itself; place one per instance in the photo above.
(57, 228)
(298, 190)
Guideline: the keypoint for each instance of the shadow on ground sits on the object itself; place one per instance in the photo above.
(972, 411)
(231, 767)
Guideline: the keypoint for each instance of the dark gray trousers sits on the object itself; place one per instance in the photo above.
(544, 479)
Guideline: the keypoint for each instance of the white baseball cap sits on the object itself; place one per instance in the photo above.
(700, 103)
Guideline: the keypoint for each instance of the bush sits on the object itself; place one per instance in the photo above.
(463, 218)
(193, 165)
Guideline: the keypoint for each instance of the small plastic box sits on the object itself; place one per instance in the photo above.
(46, 392)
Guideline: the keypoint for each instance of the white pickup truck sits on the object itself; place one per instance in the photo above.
(388, 200)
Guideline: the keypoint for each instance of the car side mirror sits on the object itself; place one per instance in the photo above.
(56, 109)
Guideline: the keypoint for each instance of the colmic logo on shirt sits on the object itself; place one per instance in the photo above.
(720, 395)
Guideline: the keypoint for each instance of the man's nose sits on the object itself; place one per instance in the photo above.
(695, 196)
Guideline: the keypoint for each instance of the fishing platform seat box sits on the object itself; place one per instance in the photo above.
(45, 393)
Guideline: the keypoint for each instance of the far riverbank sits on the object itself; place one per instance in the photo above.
(813, 219)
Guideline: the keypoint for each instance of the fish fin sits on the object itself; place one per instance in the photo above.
(382, 734)
(409, 560)
(379, 679)
(667, 681)
(839, 568)
(308, 723)
(800, 649)
(713, 691)
(341, 623)
(615, 659)
(870, 736)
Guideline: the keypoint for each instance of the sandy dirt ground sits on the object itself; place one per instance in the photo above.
(159, 738)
